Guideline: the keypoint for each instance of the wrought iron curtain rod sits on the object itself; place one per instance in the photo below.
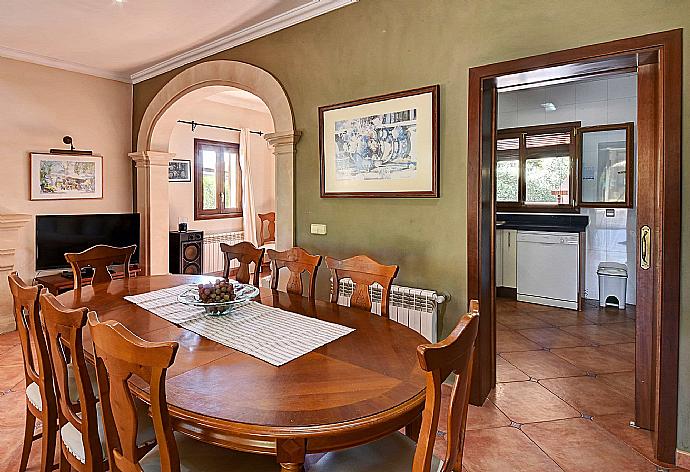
(195, 124)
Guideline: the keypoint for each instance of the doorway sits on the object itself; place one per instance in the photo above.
(228, 176)
(657, 62)
(153, 150)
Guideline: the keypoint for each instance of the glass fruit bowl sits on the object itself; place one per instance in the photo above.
(243, 293)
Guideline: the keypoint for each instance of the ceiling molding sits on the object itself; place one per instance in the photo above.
(60, 64)
(284, 20)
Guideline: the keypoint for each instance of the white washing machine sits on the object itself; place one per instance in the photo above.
(548, 268)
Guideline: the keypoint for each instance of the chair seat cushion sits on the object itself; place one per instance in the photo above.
(197, 456)
(393, 453)
(33, 394)
(72, 437)
(33, 391)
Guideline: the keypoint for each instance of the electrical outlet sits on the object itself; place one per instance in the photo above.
(318, 229)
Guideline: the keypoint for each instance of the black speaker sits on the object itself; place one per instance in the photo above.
(186, 252)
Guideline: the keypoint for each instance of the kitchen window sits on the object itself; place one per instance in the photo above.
(217, 180)
(536, 168)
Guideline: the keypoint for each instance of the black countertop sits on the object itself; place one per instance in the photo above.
(566, 223)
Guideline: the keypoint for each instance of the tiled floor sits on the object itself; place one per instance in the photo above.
(563, 402)
(565, 394)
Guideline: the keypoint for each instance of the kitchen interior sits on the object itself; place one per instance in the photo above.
(565, 191)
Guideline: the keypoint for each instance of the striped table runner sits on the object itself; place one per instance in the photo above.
(273, 335)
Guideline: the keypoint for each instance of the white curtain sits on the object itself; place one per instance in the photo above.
(248, 209)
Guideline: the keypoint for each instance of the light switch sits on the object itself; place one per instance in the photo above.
(318, 229)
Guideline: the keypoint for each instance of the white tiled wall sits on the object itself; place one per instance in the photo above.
(610, 239)
(592, 102)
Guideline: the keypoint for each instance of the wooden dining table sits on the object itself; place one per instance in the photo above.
(351, 391)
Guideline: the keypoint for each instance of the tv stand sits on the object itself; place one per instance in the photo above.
(59, 283)
(86, 273)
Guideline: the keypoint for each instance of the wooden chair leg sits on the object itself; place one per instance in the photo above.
(48, 443)
(65, 466)
(29, 426)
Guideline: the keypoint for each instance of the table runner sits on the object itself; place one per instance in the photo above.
(273, 335)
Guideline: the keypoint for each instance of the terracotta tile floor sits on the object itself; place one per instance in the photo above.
(565, 394)
(555, 368)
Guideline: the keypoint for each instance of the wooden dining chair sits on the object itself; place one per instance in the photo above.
(245, 253)
(297, 261)
(98, 258)
(363, 271)
(40, 394)
(397, 452)
(81, 442)
(120, 356)
(267, 228)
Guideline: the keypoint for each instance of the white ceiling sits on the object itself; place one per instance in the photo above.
(239, 98)
(216, 95)
(138, 39)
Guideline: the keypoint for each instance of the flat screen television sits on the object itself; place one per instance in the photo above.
(58, 234)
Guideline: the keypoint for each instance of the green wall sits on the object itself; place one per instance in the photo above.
(379, 46)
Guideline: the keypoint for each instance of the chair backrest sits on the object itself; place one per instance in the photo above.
(64, 330)
(298, 261)
(120, 355)
(363, 271)
(269, 234)
(34, 344)
(99, 257)
(245, 253)
(453, 354)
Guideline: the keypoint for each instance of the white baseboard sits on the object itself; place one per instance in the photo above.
(683, 459)
(570, 304)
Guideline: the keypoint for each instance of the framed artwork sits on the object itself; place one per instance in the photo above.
(66, 176)
(180, 170)
(384, 146)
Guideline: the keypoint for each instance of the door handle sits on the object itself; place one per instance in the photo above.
(645, 247)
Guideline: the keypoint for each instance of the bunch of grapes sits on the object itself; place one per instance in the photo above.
(217, 292)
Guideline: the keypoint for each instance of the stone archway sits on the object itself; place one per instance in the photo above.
(152, 155)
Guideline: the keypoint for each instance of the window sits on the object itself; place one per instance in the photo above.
(606, 165)
(217, 180)
(535, 167)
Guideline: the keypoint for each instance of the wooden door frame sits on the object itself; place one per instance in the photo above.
(481, 212)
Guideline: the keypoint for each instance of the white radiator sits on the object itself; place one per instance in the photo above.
(414, 307)
(213, 257)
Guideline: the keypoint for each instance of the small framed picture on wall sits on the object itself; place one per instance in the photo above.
(180, 170)
(66, 176)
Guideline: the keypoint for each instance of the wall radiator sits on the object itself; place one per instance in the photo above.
(213, 257)
(413, 307)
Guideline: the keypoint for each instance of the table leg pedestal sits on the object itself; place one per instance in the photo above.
(412, 429)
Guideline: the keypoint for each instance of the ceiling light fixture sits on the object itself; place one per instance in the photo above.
(549, 106)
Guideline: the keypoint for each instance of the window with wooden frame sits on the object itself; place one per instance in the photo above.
(536, 168)
(607, 166)
(217, 180)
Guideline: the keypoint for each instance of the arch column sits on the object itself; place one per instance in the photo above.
(283, 147)
(10, 224)
(152, 205)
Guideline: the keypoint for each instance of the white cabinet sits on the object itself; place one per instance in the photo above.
(506, 258)
(498, 254)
